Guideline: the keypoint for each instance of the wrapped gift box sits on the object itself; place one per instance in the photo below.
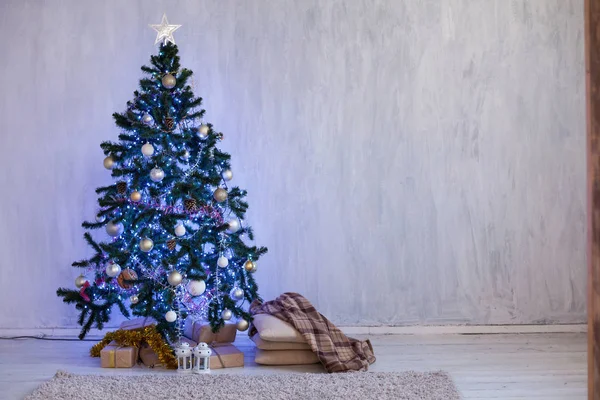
(115, 356)
(201, 331)
(150, 358)
(226, 356)
(137, 323)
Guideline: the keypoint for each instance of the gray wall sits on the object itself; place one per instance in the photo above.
(407, 162)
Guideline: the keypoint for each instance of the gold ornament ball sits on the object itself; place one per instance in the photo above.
(250, 266)
(135, 196)
(203, 131)
(179, 230)
(80, 281)
(109, 162)
(146, 244)
(242, 325)
(169, 81)
(220, 195)
(134, 299)
(174, 278)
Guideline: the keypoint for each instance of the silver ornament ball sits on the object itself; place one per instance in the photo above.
(113, 269)
(134, 299)
(196, 288)
(146, 244)
(169, 81)
(100, 218)
(233, 225)
(109, 162)
(147, 150)
(237, 293)
(203, 131)
(179, 230)
(147, 119)
(114, 229)
(171, 316)
(174, 278)
(227, 175)
(222, 261)
(226, 314)
(80, 281)
(157, 174)
(242, 325)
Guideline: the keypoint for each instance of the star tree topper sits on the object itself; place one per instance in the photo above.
(164, 31)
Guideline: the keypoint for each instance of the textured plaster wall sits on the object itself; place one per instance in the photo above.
(407, 162)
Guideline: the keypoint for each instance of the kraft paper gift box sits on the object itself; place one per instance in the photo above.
(137, 323)
(150, 358)
(226, 356)
(201, 331)
(115, 356)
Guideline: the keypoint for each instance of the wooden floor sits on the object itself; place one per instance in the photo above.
(506, 366)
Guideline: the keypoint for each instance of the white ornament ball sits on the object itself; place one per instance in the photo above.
(147, 150)
(233, 225)
(134, 299)
(169, 81)
(100, 218)
(109, 162)
(157, 174)
(196, 288)
(222, 261)
(226, 314)
(146, 244)
(242, 325)
(179, 230)
(113, 269)
(171, 316)
(174, 278)
(147, 119)
(203, 131)
(237, 293)
(114, 229)
(80, 281)
(227, 175)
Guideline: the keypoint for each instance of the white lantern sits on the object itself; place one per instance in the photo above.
(202, 358)
(184, 357)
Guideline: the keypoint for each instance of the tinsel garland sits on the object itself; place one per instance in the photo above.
(135, 337)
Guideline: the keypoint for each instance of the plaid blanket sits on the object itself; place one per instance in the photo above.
(336, 351)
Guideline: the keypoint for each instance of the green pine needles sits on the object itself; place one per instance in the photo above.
(175, 247)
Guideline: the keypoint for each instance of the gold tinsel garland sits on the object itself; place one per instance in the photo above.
(135, 337)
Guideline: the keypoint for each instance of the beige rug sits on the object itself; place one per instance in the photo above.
(359, 385)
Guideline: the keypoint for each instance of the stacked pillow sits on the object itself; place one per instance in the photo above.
(279, 343)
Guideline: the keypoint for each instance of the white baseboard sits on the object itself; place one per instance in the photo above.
(351, 330)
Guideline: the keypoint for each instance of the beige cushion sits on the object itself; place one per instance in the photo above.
(265, 345)
(285, 357)
(273, 329)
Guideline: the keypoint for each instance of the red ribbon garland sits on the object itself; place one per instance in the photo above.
(82, 293)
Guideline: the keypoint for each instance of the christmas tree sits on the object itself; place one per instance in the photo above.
(176, 227)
